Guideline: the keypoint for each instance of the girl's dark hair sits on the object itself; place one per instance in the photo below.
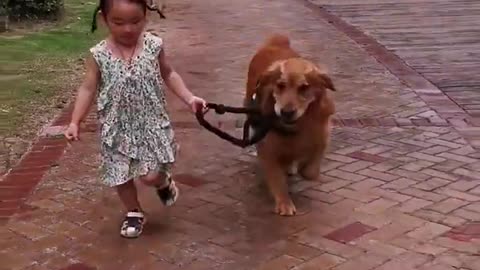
(105, 5)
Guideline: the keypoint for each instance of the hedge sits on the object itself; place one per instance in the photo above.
(35, 9)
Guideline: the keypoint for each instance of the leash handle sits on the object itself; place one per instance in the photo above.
(260, 133)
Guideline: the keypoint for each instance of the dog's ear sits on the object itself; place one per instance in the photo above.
(320, 80)
(264, 89)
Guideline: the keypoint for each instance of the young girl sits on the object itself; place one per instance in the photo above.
(128, 69)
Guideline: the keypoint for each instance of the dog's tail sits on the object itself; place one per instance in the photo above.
(278, 40)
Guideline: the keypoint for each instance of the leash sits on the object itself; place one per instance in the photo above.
(260, 124)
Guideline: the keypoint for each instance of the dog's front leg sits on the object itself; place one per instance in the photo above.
(277, 182)
(310, 170)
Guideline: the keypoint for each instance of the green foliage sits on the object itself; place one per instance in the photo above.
(35, 9)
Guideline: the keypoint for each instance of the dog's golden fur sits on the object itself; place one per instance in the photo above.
(288, 85)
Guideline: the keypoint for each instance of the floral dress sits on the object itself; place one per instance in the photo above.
(136, 133)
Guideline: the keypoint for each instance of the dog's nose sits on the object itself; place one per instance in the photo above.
(288, 114)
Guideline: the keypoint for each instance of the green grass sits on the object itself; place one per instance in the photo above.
(37, 66)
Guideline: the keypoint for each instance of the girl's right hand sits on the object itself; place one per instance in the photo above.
(72, 132)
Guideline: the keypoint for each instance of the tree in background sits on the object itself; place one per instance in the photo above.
(34, 9)
(3, 16)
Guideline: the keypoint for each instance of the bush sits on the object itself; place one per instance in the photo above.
(35, 9)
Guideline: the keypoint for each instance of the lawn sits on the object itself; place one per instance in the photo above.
(40, 67)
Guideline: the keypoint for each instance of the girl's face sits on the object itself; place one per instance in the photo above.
(126, 21)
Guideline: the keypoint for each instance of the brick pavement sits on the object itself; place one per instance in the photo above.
(401, 195)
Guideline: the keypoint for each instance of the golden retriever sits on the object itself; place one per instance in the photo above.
(295, 91)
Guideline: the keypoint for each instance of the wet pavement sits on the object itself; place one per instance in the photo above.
(400, 186)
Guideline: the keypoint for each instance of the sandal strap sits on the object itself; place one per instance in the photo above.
(135, 215)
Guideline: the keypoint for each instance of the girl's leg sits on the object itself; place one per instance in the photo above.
(116, 169)
(166, 189)
(132, 225)
(128, 195)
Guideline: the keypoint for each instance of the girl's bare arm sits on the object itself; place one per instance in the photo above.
(86, 92)
(173, 80)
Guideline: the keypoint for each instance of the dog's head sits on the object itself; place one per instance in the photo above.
(290, 86)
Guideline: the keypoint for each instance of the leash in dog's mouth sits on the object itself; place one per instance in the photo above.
(259, 123)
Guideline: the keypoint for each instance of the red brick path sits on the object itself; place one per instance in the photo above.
(399, 187)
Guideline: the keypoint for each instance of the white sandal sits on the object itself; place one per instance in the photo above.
(132, 225)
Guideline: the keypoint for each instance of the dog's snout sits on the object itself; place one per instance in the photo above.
(288, 114)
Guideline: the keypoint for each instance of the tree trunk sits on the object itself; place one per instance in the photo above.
(3, 23)
(3, 16)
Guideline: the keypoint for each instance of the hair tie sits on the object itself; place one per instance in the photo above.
(94, 22)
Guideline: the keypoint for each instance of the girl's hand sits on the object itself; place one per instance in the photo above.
(197, 104)
(72, 132)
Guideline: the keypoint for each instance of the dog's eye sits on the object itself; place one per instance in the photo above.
(302, 89)
(281, 86)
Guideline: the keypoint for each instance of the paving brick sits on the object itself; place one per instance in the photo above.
(414, 192)
(404, 219)
(28, 230)
(464, 247)
(283, 262)
(324, 261)
(473, 207)
(379, 248)
(458, 194)
(355, 195)
(349, 232)
(340, 158)
(437, 217)
(374, 158)
(437, 267)
(375, 221)
(427, 157)
(417, 165)
(458, 158)
(356, 166)
(448, 205)
(416, 143)
(390, 195)
(386, 165)
(467, 214)
(354, 177)
(429, 249)
(448, 166)
(405, 242)
(378, 175)
(333, 185)
(475, 191)
(349, 150)
(464, 151)
(410, 175)
(329, 165)
(365, 262)
(309, 238)
(405, 261)
(300, 251)
(413, 205)
(303, 185)
(439, 174)
(432, 184)
(428, 231)
(399, 184)
(377, 150)
(322, 196)
(446, 143)
(435, 150)
(366, 184)
(377, 206)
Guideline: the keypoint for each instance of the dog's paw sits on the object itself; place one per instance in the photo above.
(285, 208)
(292, 169)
